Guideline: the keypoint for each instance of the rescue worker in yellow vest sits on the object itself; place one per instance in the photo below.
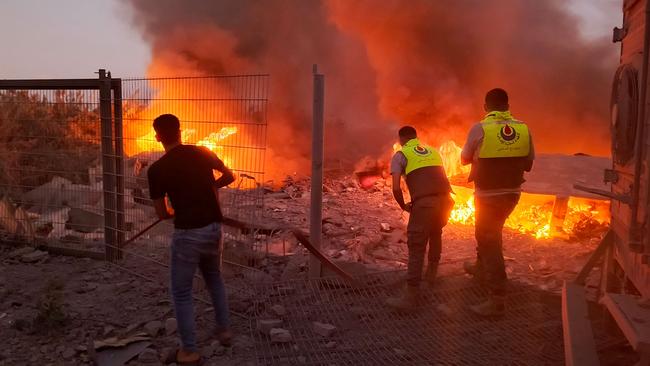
(500, 149)
(429, 209)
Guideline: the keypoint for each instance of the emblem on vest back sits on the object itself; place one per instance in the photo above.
(508, 135)
(421, 150)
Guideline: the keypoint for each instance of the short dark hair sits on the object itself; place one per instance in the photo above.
(496, 99)
(168, 128)
(407, 132)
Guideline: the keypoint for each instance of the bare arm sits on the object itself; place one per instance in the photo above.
(397, 193)
(474, 139)
(162, 210)
(226, 177)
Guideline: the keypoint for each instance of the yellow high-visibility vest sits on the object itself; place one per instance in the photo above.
(419, 156)
(504, 137)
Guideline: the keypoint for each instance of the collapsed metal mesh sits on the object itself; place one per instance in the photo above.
(442, 332)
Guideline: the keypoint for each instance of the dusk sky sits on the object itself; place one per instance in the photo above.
(74, 38)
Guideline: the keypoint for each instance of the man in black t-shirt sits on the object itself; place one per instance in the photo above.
(185, 175)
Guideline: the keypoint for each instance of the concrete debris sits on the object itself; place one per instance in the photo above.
(69, 353)
(34, 256)
(153, 328)
(17, 253)
(265, 326)
(279, 335)
(115, 342)
(386, 227)
(330, 345)
(324, 329)
(278, 310)
(15, 220)
(120, 356)
(149, 356)
(170, 326)
(84, 220)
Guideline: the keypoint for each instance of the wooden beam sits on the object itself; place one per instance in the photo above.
(608, 239)
(632, 319)
(579, 344)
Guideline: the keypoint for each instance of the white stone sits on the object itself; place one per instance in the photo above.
(34, 256)
(323, 329)
(278, 310)
(170, 326)
(279, 335)
(265, 326)
(153, 327)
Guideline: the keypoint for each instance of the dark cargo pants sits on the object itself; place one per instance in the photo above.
(491, 214)
(428, 216)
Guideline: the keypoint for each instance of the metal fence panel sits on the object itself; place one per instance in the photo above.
(50, 154)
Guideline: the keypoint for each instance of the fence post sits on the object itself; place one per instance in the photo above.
(119, 165)
(108, 161)
(316, 209)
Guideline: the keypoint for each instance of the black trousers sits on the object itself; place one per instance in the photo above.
(491, 214)
(428, 216)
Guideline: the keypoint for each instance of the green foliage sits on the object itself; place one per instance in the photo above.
(46, 134)
(50, 313)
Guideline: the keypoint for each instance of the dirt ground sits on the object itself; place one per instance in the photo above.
(53, 309)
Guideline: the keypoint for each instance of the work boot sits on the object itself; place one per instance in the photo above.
(493, 306)
(431, 273)
(470, 268)
(408, 301)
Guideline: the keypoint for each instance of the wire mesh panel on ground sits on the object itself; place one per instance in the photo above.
(225, 114)
(442, 332)
(50, 150)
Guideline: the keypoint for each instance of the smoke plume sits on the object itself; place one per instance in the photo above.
(390, 62)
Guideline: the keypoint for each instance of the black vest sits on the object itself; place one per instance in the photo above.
(499, 173)
(427, 181)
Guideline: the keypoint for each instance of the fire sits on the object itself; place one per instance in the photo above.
(209, 124)
(450, 154)
(534, 212)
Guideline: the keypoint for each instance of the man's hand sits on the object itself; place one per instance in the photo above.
(162, 210)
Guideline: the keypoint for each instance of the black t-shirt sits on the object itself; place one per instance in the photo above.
(185, 174)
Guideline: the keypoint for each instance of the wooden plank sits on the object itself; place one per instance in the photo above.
(595, 256)
(631, 318)
(579, 344)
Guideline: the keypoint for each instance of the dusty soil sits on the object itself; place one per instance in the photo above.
(98, 300)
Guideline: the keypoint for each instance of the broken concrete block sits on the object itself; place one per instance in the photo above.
(278, 310)
(69, 353)
(20, 252)
(265, 326)
(323, 329)
(279, 335)
(170, 326)
(153, 327)
(386, 227)
(149, 356)
(84, 220)
(34, 256)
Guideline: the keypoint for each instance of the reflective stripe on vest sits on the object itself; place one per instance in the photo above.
(419, 156)
(504, 139)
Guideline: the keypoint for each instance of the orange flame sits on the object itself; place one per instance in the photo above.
(533, 214)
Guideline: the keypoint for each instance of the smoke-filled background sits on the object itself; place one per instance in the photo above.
(391, 62)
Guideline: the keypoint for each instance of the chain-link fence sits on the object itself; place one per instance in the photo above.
(75, 154)
(50, 148)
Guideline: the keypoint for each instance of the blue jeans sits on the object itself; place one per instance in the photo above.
(192, 248)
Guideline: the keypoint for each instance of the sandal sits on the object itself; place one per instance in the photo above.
(172, 357)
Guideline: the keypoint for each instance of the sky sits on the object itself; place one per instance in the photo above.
(74, 38)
